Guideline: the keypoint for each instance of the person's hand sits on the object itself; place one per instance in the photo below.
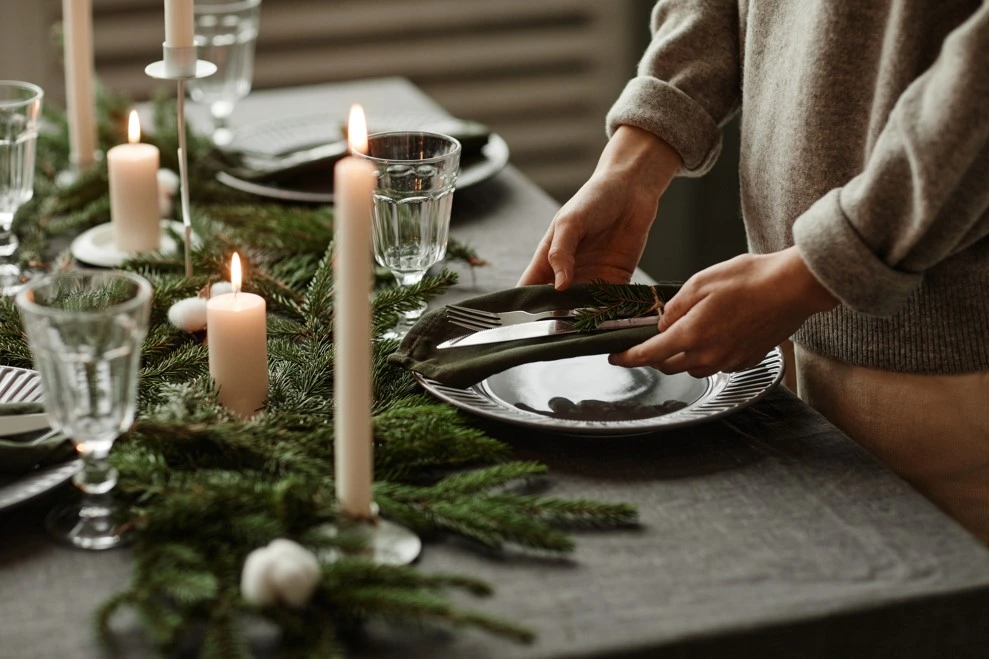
(729, 316)
(601, 232)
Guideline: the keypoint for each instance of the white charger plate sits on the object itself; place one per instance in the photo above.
(96, 246)
(588, 396)
(286, 134)
(20, 385)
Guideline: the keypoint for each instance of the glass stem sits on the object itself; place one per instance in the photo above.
(96, 477)
(8, 240)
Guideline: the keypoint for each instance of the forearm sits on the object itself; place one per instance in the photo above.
(923, 195)
(688, 80)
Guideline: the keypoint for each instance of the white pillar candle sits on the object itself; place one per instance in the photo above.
(179, 30)
(77, 33)
(353, 184)
(237, 333)
(133, 172)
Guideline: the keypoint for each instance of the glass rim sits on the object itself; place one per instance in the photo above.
(37, 93)
(457, 148)
(25, 296)
(224, 7)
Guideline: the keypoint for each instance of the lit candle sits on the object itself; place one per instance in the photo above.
(353, 184)
(179, 32)
(133, 171)
(77, 32)
(238, 350)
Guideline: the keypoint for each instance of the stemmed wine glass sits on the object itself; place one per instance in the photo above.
(416, 174)
(85, 329)
(226, 32)
(20, 110)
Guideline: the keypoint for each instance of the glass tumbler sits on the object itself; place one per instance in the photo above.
(20, 111)
(415, 176)
(85, 329)
(226, 33)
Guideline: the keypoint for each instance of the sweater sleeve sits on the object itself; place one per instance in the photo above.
(924, 193)
(687, 84)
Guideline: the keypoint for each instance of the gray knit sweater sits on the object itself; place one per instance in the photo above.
(865, 141)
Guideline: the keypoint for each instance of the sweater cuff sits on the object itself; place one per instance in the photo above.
(836, 254)
(667, 112)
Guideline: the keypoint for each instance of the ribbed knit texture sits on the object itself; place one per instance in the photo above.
(865, 142)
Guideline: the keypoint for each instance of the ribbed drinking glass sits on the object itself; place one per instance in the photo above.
(85, 329)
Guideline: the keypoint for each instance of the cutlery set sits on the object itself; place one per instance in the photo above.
(498, 327)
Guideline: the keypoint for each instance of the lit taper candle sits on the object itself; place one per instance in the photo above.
(237, 333)
(353, 185)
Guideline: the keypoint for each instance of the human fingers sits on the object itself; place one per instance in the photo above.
(562, 251)
(678, 305)
(654, 350)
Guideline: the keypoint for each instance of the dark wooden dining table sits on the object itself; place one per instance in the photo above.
(765, 534)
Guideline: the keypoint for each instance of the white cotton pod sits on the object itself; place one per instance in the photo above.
(168, 186)
(295, 572)
(256, 584)
(189, 315)
(221, 288)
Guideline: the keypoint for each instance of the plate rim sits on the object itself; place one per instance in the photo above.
(496, 157)
(33, 484)
(768, 373)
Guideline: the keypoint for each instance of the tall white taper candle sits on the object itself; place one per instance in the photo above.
(179, 31)
(353, 185)
(77, 33)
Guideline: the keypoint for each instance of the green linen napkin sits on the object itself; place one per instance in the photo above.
(464, 366)
(21, 453)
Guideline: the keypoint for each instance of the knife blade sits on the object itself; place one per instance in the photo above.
(540, 328)
(21, 423)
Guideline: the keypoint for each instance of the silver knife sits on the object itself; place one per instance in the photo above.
(540, 328)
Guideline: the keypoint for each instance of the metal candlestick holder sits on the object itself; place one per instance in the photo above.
(180, 65)
(384, 542)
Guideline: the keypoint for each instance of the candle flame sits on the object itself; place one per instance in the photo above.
(235, 275)
(357, 130)
(134, 128)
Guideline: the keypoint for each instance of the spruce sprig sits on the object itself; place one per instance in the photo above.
(618, 301)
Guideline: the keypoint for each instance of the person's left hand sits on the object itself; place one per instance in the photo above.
(729, 316)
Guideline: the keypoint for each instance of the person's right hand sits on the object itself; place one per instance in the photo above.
(601, 232)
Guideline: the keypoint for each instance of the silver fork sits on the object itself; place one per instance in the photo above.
(478, 320)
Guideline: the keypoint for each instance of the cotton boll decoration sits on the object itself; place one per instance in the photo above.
(168, 186)
(282, 571)
(220, 288)
(189, 315)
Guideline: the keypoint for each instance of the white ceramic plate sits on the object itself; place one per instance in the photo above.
(286, 134)
(589, 396)
(19, 385)
(96, 246)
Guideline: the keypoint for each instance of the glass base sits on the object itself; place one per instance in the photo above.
(405, 323)
(385, 543)
(87, 525)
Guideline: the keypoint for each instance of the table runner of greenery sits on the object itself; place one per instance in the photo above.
(204, 488)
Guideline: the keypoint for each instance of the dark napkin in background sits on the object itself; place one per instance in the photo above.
(21, 453)
(467, 365)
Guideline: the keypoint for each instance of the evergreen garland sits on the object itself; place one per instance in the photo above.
(203, 488)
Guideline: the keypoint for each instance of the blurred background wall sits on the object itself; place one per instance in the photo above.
(542, 74)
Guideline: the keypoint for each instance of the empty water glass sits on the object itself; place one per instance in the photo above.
(226, 32)
(416, 174)
(85, 329)
(20, 110)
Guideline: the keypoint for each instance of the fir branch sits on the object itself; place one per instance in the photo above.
(618, 301)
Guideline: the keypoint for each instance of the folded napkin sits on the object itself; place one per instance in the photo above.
(467, 365)
(21, 453)
(314, 166)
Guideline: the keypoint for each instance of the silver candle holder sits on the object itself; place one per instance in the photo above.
(180, 65)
